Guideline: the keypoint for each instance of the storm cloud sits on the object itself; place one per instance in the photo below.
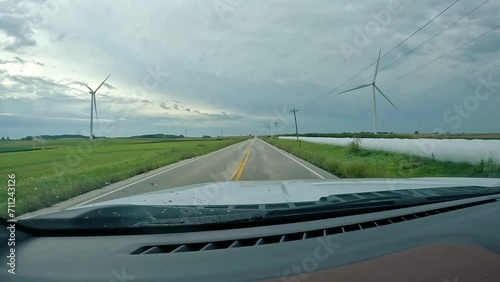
(242, 65)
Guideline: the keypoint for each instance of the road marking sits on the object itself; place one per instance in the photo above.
(235, 171)
(286, 155)
(153, 175)
(243, 164)
(239, 169)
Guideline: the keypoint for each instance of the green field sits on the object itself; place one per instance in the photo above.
(57, 170)
(353, 161)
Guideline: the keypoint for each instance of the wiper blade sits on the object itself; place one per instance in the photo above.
(326, 207)
(202, 220)
(133, 217)
(406, 199)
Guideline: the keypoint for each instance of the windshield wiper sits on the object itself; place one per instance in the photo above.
(171, 218)
(329, 206)
(404, 198)
(363, 206)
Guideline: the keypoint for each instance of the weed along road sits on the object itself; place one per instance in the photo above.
(249, 160)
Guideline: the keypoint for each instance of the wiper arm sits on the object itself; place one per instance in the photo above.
(325, 204)
(323, 207)
(100, 219)
(240, 217)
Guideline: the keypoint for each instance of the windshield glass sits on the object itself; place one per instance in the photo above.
(240, 104)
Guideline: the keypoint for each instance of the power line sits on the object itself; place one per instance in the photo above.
(428, 63)
(435, 35)
(423, 26)
(359, 96)
(331, 91)
(472, 11)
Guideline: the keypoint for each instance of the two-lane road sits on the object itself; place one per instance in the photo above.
(250, 160)
(266, 162)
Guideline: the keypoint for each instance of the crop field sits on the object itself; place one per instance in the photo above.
(56, 170)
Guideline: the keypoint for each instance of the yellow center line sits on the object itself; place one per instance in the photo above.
(242, 166)
(234, 173)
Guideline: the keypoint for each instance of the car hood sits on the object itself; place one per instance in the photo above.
(266, 192)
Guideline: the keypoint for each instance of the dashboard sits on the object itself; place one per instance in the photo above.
(451, 241)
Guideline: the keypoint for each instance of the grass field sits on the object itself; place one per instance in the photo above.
(353, 161)
(40, 144)
(63, 168)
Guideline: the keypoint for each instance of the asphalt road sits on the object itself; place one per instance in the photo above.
(249, 160)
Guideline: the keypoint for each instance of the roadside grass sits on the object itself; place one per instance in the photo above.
(73, 167)
(354, 162)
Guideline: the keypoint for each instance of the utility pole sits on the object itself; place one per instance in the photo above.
(294, 111)
(269, 130)
(222, 132)
(276, 126)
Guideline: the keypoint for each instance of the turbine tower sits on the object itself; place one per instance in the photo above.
(374, 87)
(93, 105)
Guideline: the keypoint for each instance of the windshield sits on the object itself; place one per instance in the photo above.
(240, 104)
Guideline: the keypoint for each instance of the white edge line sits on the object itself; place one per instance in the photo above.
(286, 155)
(152, 175)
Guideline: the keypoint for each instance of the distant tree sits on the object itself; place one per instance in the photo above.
(416, 132)
(3, 138)
(205, 136)
(7, 138)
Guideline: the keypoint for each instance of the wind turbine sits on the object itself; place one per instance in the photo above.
(93, 105)
(374, 87)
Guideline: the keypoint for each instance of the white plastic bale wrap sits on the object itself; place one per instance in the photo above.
(453, 150)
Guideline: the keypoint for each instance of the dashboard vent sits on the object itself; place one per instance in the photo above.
(282, 238)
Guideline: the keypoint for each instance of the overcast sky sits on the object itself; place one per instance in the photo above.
(238, 65)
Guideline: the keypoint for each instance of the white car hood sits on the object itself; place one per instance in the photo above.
(266, 192)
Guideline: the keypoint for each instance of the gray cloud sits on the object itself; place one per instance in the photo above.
(15, 23)
(60, 37)
(238, 68)
(109, 86)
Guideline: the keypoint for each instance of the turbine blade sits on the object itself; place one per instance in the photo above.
(376, 68)
(380, 91)
(355, 88)
(95, 108)
(88, 86)
(102, 83)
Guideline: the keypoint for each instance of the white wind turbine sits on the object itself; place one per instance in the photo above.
(93, 105)
(374, 86)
